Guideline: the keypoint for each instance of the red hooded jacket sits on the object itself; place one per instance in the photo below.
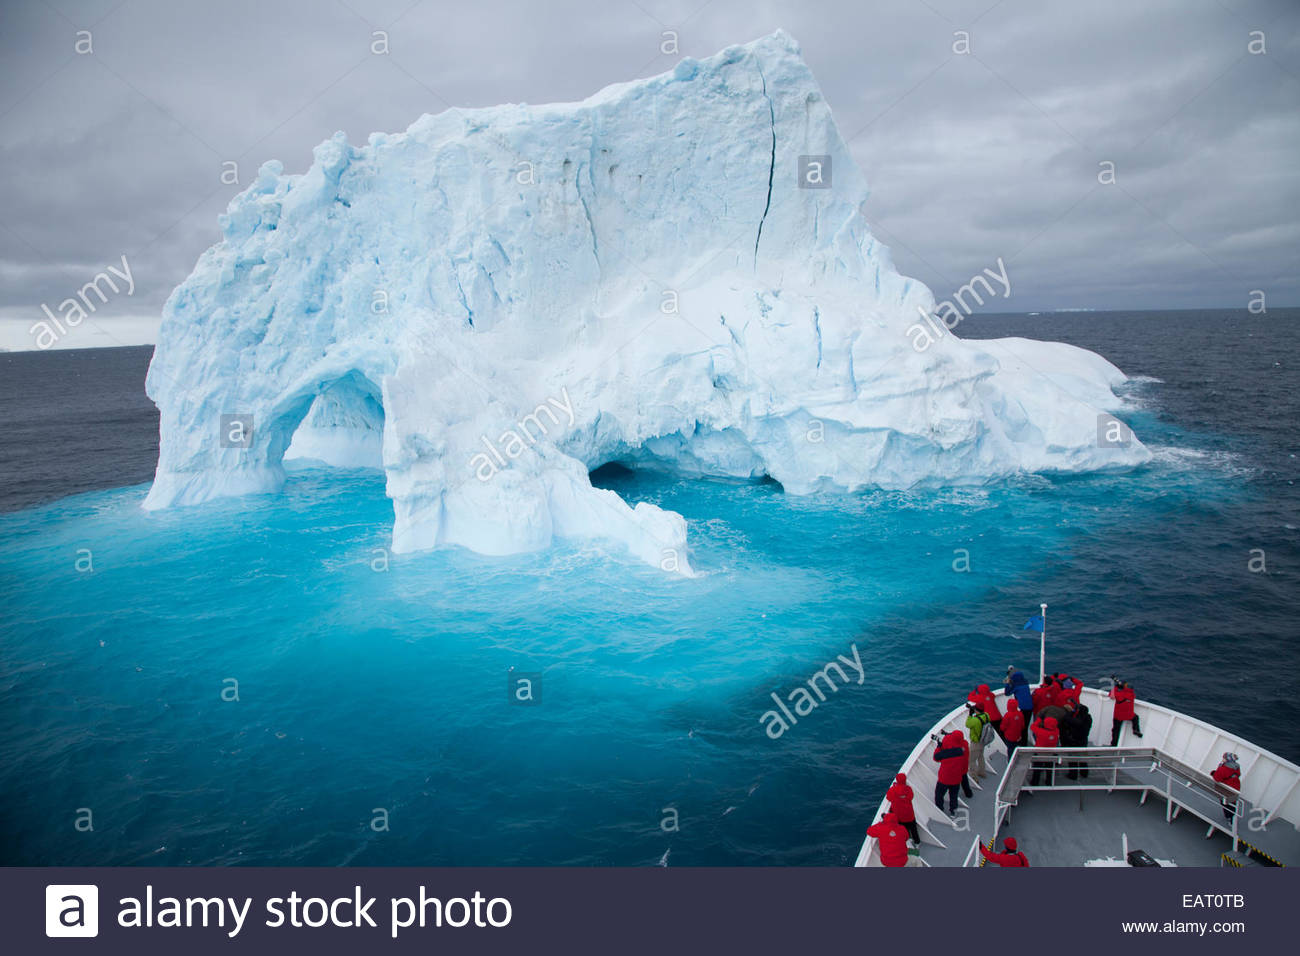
(900, 799)
(1045, 695)
(1123, 697)
(955, 760)
(986, 702)
(1045, 733)
(1231, 776)
(1013, 724)
(1011, 858)
(892, 837)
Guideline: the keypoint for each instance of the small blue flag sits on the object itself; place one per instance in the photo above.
(1035, 623)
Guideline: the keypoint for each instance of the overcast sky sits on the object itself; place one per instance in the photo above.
(970, 156)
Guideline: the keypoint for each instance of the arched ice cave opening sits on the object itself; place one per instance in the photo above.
(343, 427)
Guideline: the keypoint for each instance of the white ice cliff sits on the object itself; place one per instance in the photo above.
(497, 301)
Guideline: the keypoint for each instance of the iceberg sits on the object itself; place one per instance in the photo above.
(497, 301)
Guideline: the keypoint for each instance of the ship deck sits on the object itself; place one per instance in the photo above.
(1153, 794)
(1055, 826)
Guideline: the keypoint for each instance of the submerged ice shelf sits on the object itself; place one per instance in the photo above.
(497, 301)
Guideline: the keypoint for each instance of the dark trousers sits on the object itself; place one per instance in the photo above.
(1011, 748)
(949, 789)
(913, 832)
(1029, 719)
(1115, 728)
(1229, 810)
(1041, 766)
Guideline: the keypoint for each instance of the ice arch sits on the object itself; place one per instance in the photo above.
(238, 436)
(529, 292)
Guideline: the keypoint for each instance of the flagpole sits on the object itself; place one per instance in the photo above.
(1042, 646)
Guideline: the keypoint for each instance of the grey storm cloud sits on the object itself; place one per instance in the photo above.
(981, 126)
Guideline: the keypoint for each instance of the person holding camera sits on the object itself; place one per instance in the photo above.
(1124, 697)
(953, 757)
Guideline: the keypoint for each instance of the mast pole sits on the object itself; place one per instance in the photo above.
(1042, 646)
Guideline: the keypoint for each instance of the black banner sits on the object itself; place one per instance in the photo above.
(675, 911)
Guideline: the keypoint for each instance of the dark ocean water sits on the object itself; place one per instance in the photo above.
(362, 689)
(74, 420)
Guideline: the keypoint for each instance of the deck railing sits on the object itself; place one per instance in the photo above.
(1143, 769)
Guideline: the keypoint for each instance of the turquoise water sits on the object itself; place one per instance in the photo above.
(362, 689)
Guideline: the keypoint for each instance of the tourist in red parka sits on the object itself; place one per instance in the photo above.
(1012, 856)
(953, 757)
(1013, 729)
(1123, 695)
(900, 805)
(1071, 689)
(1228, 773)
(987, 702)
(892, 839)
(1044, 695)
(1046, 734)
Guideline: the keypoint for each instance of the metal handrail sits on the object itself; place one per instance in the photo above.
(1116, 759)
(1095, 758)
